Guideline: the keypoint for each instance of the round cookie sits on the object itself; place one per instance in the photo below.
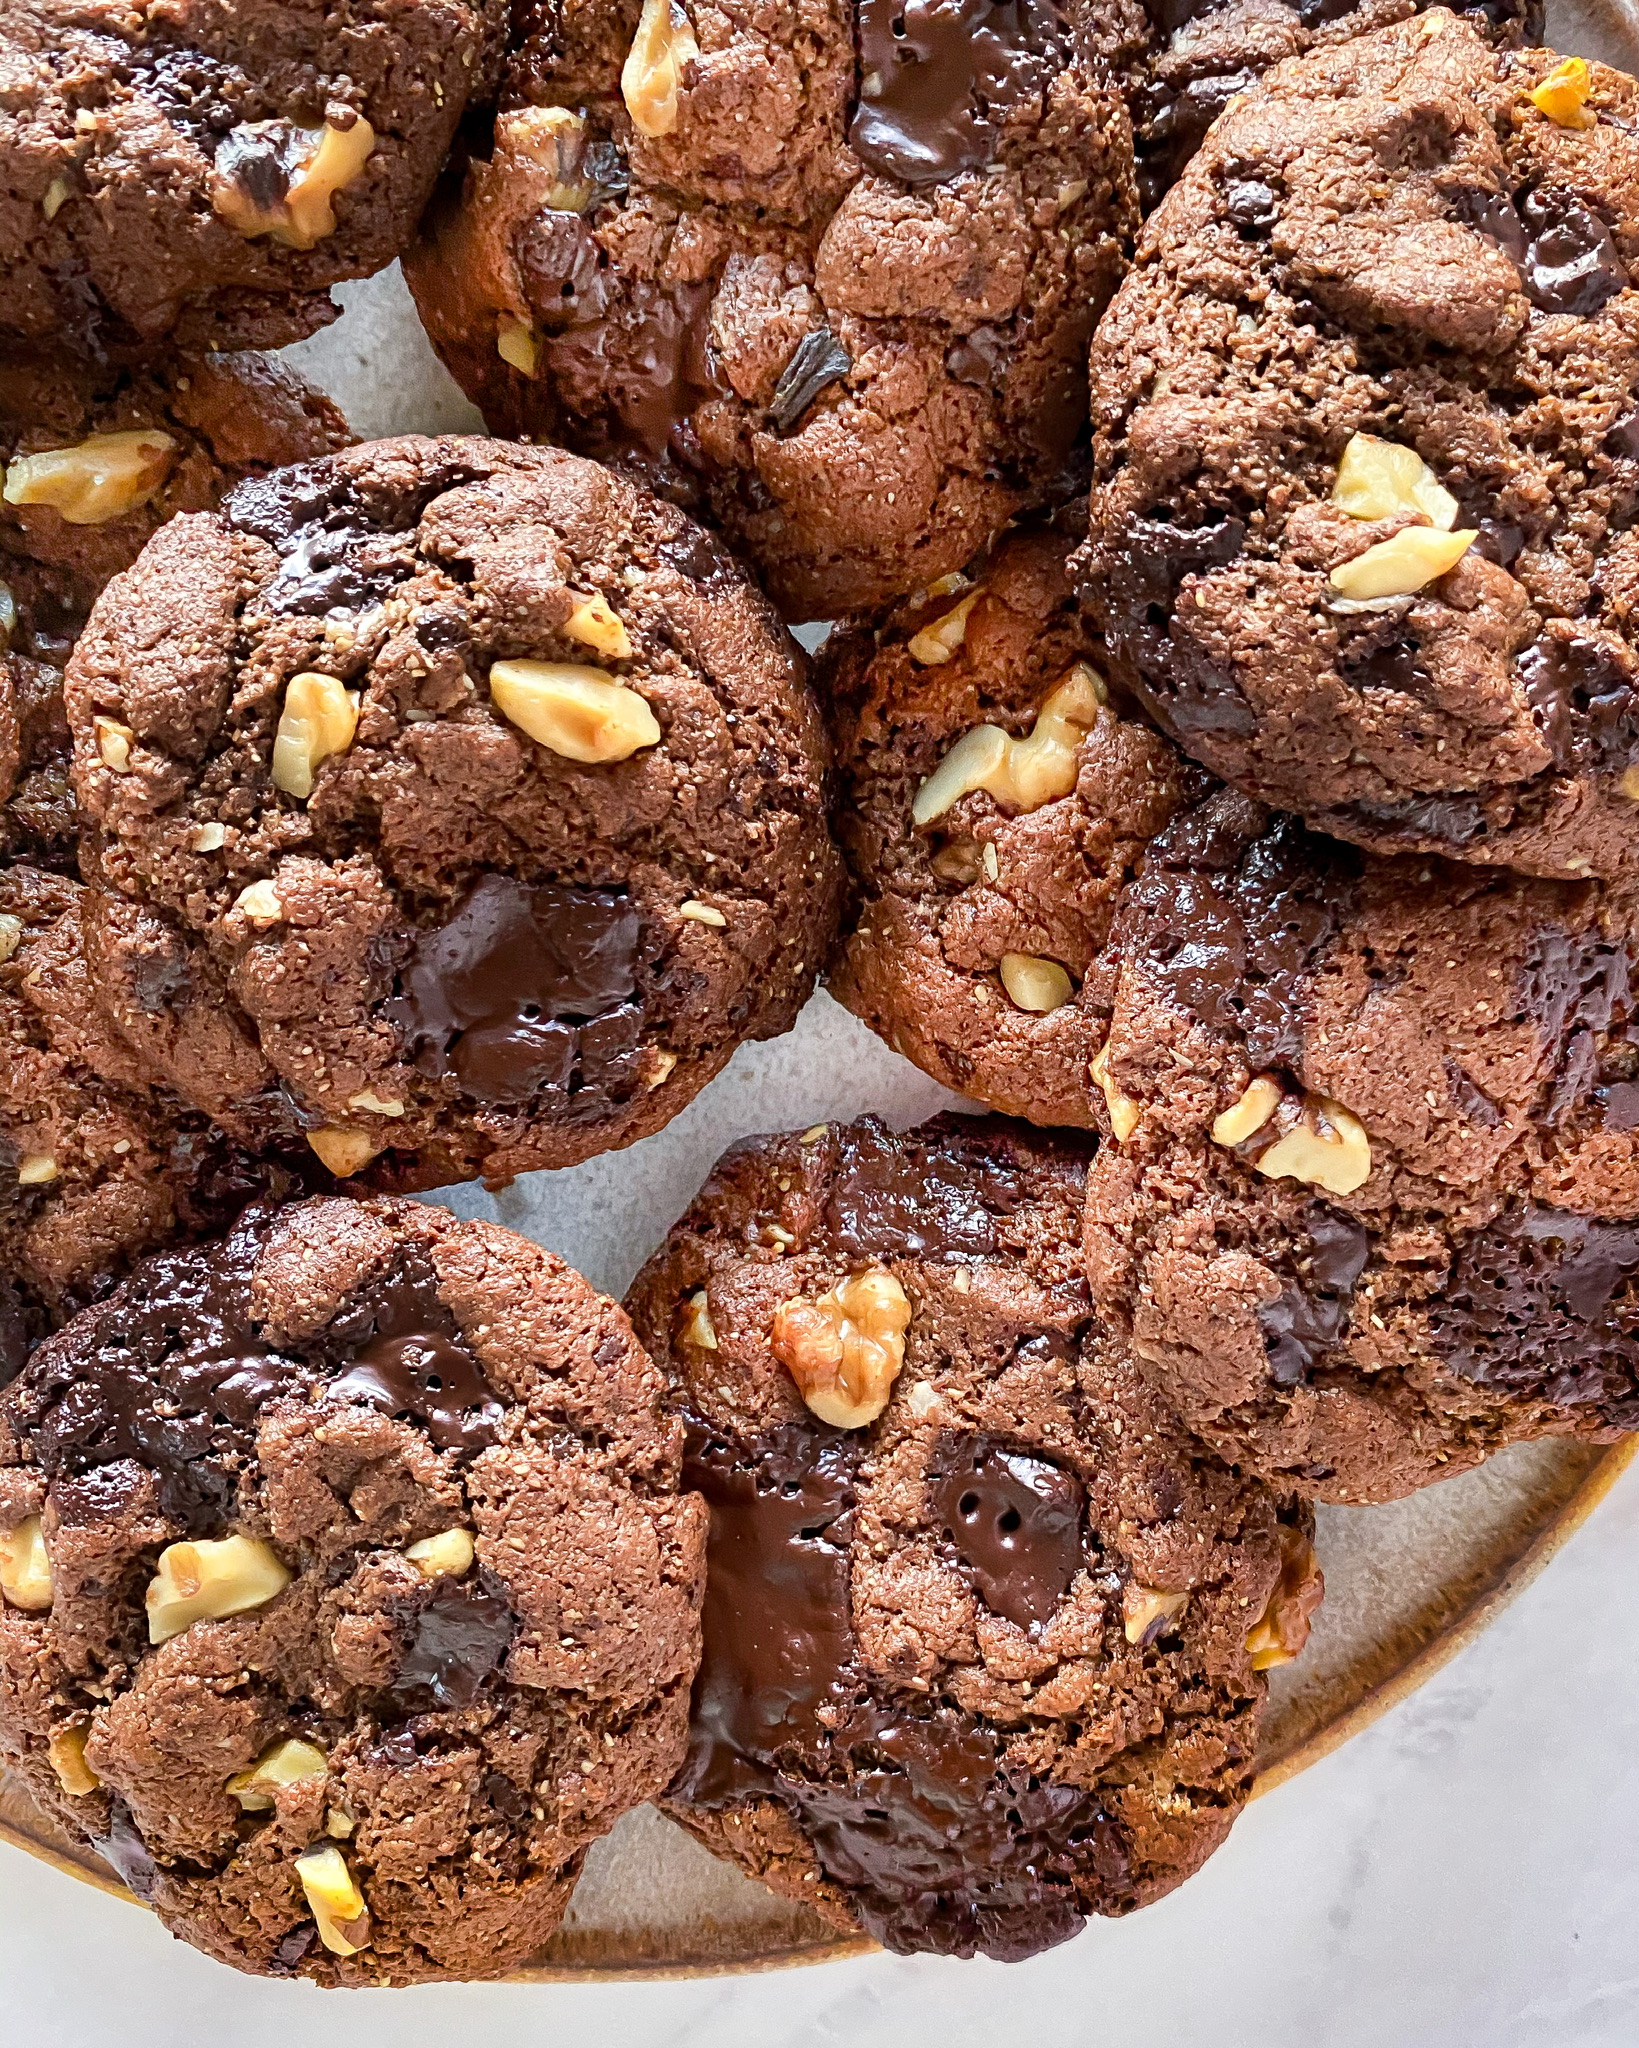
(838, 302)
(473, 794)
(1366, 454)
(348, 1593)
(93, 463)
(991, 1661)
(1017, 877)
(202, 174)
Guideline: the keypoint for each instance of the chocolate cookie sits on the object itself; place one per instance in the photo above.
(996, 805)
(92, 464)
(1367, 451)
(826, 275)
(983, 1629)
(473, 794)
(202, 174)
(348, 1596)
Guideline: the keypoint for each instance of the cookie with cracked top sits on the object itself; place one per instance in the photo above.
(200, 175)
(93, 463)
(473, 793)
(826, 275)
(1365, 468)
(988, 1660)
(348, 1595)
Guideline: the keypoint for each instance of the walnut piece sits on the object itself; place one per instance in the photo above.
(114, 743)
(448, 1555)
(1327, 1147)
(344, 1150)
(1146, 1612)
(1024, 773)
(1564, 94)
(595, 624)
(337, 1903)
(1383, 480)
(206, 1580)
(1403, 563)
(1035, 984)
(34, 1169)
(288, 1762)
(938, 643)
(97, 479)
(1124, 1112)
(516, 344)
(317, 164)
(662, 50)
(319, 719)
(65, 1752)
(697, 1327)
(581, 713)
(1257, 1105)
(11, 935)
(259, 901)
(844, 1350)
(1281, 1631)
(25, 1569)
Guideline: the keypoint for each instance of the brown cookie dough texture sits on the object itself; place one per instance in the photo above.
(348, 1595)
(202, 174)
(979, 937)
(988, 1660)
(458, 805)
(97, 1164)
(1367, 451)
(91, 463)
(1376, 1207)
(838, 302)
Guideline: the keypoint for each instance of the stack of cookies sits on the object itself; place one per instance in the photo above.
(1221, 769)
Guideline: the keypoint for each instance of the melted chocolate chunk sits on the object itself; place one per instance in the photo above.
(939, 80)
(13, 1334)
(901, 1197)
(1470, 1098)
(1572, 988)
(564, 273)
(818, 360)
(1498, 541)
(1623, 438)
(642, 368)
(121, 1845)
(1570, 265)
(1188, 693)
(526, 993)
(261, 159)
(1233, 913)
(1397, 666)
(982, 357)
(455, 1640)
(416, 1361)
(1308, 1315)
(1251, 205)
(1171, 121)
(1454, 819)
(1496, 217)
(1583, 697)
(1014, 1521)
(1541, 1304)
(295, 1945)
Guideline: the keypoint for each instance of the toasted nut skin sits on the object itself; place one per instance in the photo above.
(34, 1169)
(662, 49)
(66, 1754)
(1025, 773)
(114, 742)
(25, 1569)
(938, 643)
(325, 161)
(1145, 1612)
(447, 1555)
(844, 1350)
(344, 1151)
(103, 477)
(516, 344)
(207, 1580)
(581, 713)
(1563, 95)
(1124, 1112)
(319, 719)
(1035, 984)
(1281, 1631)
(260, 903)
(1379, 479)
(1327, 1148)
(596, 624)
(1404, 563)
(288, 1762)
(1257, 1105)
(336, 1901)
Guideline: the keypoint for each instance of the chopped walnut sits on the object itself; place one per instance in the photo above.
(845, 1349)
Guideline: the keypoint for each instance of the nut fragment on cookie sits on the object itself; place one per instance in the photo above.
(1379, 479)
(1262, 1097)
(1281, 1631)
(1035, 984)
(35, 1169)
(1563, 95)
(337, 1903)
(343, 1150)
(65, 1752)
(11, 935)
(1025, 773)
(310, 164)
(114, 742)
(260, 904)
(1402, 564)
(596, 624)
(288, 1762)
(578, 712)
(515, 344)
(319, 718)
(697, 1326)
(25, 1569)
(1326, 1148)
(845, 1348)
(1146, 1611)
(206, 1581)
(1124, 1111)
(661, 51)
(100, 478)
(938, 643)
(448, 1555)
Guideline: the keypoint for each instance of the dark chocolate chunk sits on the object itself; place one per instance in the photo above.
(981, 357)
(261, 158)
(1308, 1315)
(1454, 819)
(896, 1197)
(1583, 696)
(416, 1361)
(818, 360)
(563, 269)
(939, 79)
(1188, 693)
(1495, 215)
(1014, 1520)
(501, 997)
(1396, 666)
(1623, 438)
(454, 1641)
(643, 367)
(1251, 205)
(1571, 264)
(121, 1845)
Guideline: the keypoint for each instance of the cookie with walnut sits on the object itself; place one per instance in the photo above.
(1367, 451)
(825, 274)
(476, 796)
(984, 1629)
(346, 1593)
(200, 175)
(93, 462)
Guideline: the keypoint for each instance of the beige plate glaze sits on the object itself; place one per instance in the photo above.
(1407, 1586)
